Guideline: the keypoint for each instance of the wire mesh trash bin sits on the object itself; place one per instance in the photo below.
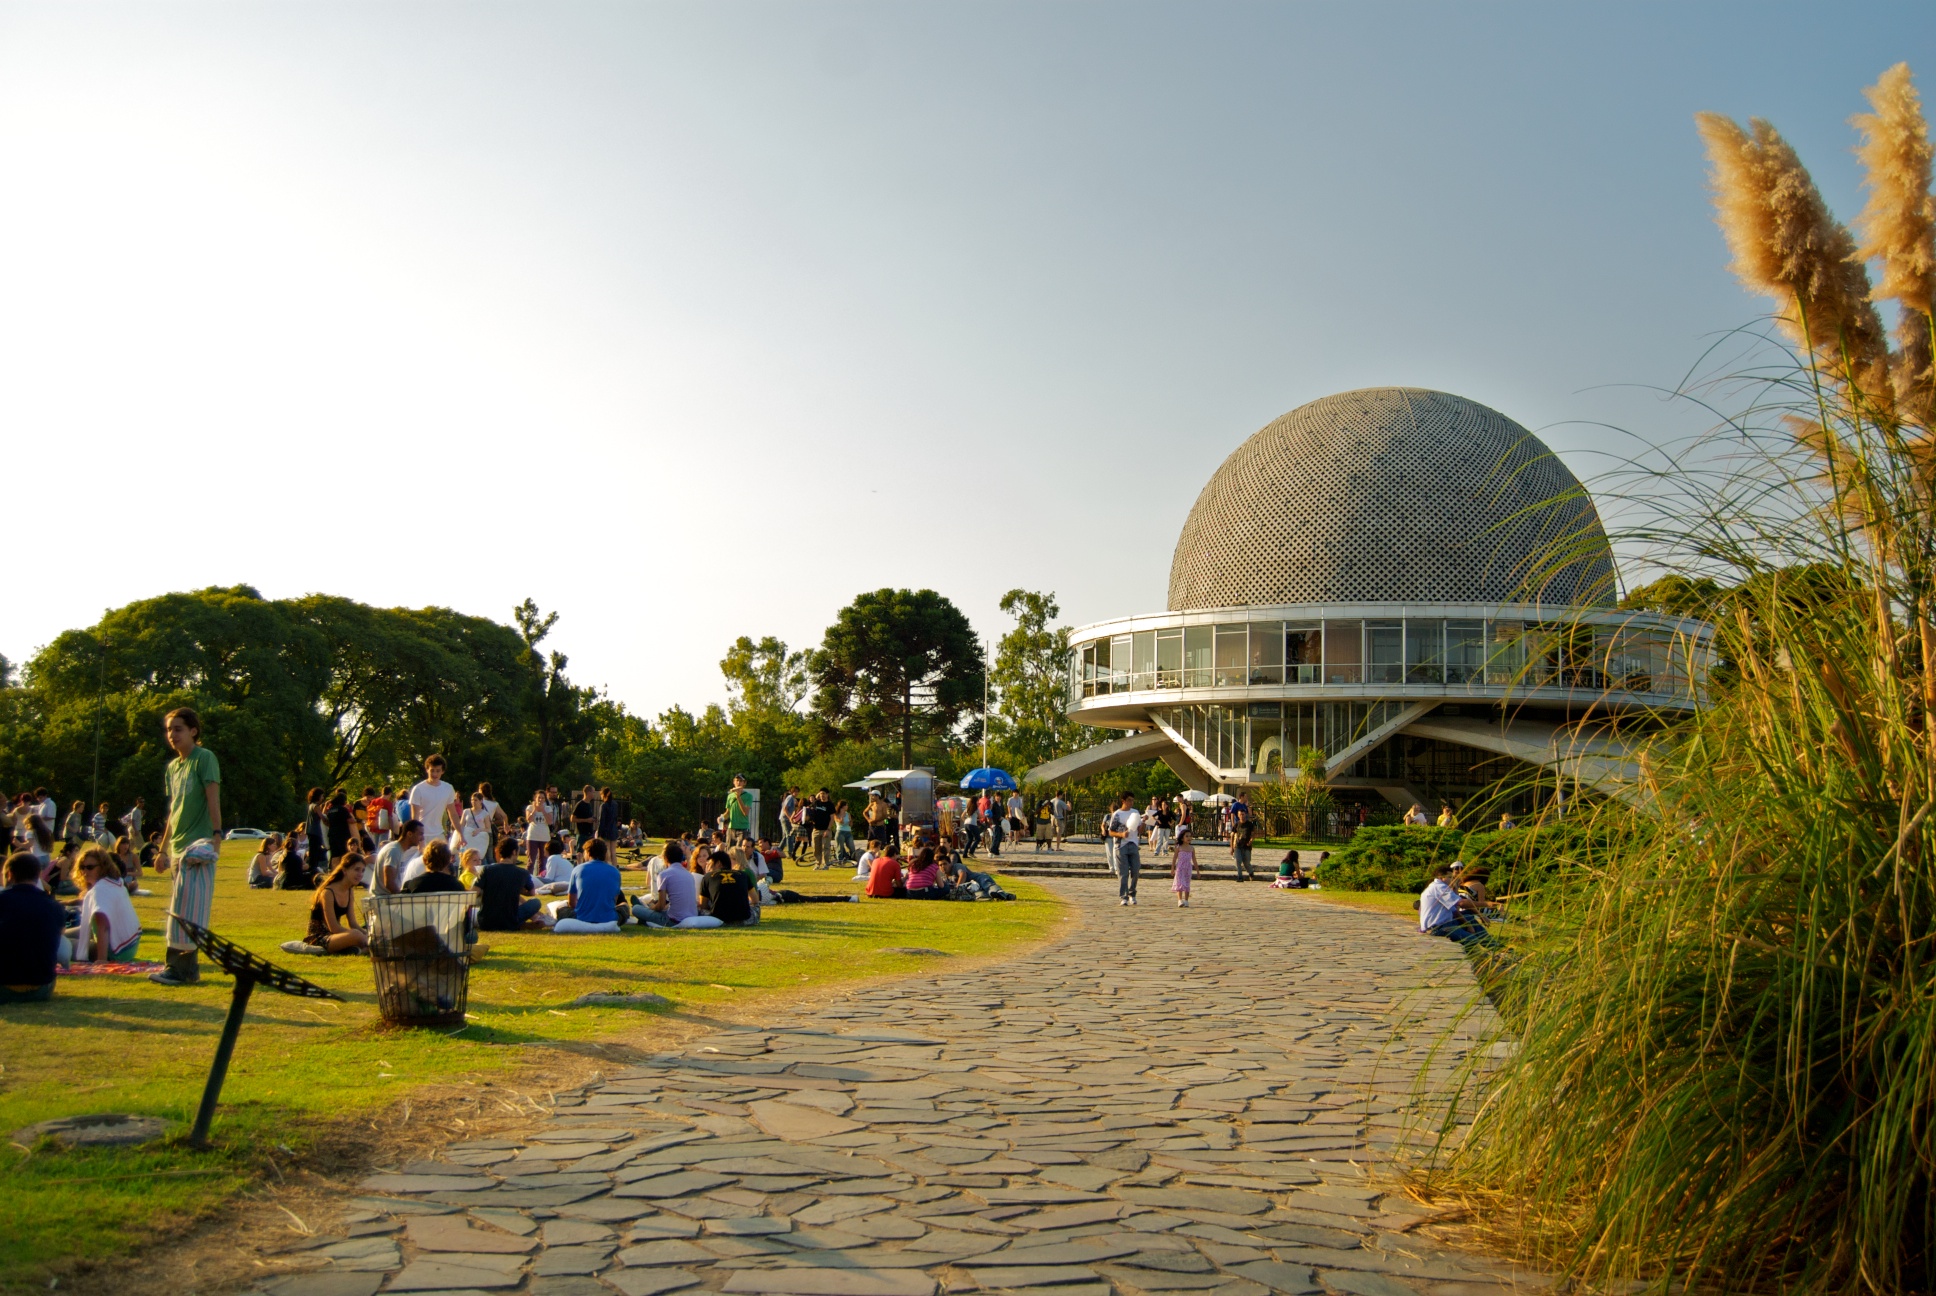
(417, 947)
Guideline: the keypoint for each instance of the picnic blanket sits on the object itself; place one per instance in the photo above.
(110, 969)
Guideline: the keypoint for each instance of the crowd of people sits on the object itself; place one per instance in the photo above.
(551, 865)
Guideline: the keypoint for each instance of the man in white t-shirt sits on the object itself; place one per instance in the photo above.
(1125, 829)
(394, 859)
(433, 802)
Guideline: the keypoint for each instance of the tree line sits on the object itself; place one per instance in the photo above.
(324, 691)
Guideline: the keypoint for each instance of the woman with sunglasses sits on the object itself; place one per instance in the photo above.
(108, 930)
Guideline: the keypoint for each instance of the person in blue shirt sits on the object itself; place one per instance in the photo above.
(595, 887)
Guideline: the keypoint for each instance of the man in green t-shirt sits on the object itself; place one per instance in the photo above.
(739, 807)
(194, 816)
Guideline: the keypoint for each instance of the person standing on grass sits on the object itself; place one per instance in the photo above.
(136, 813)
(380, 811)
(1125, 827)
(584, 816)
(191, 846)
(608, 823)
(739, 810)
(433, 802)
(818, 817)
(537, 833)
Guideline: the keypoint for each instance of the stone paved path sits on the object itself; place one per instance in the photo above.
(1164, 1101)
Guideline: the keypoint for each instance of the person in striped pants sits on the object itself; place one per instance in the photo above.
(192, 843)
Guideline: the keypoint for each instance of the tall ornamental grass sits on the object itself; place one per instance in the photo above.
(1725, 1000)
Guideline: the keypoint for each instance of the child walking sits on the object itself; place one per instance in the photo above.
(1183, 861)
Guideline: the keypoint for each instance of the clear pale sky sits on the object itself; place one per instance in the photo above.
(690, 321)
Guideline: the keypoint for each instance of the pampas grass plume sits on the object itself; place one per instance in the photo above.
(1899, 224)
(1787, 246)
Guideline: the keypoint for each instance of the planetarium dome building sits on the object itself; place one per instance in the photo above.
(1408, 582)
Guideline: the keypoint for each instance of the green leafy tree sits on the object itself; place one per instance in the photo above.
(1031, 723)
(896, 662)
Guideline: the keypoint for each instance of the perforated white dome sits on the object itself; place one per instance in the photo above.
(1392, 494)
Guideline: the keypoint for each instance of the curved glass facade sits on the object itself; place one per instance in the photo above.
(1652, 659)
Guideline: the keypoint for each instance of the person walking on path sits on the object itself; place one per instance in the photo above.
(1243, 828)
(1059, 821)
(191, 844)
(1124, 827)
(1183, 862)
(739, 812)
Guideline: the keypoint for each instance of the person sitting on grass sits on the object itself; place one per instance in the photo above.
(292, 870)
(59, 875)
(557, 869)
(507, 899)
(594, 896)
(30, 933)
(108, 931)
(333, 924)
(397, 861)
(727, 893)
(1444, 912)
(924, 879)
(262, 865)
(437, 878)
(775, 865)
(884, 879)
(124, 855)
(675, 892)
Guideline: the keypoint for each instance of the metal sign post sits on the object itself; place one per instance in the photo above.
(247, 969)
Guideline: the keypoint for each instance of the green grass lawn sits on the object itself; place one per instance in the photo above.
(123, 1045)
(1402, 903)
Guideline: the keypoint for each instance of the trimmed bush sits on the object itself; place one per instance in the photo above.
(1390, 859)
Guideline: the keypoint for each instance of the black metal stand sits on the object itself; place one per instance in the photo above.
(247, 969)
(238, 1004)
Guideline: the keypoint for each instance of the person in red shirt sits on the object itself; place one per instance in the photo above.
(379, 814)
(884, 881)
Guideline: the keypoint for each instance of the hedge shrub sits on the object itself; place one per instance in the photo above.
(1390, 859)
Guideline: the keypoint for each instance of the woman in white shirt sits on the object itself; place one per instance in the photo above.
(474, 826)
(109, 931)
(537, 833)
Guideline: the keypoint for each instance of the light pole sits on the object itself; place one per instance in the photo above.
(100, 692)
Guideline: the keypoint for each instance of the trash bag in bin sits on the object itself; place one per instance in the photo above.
(417, 948)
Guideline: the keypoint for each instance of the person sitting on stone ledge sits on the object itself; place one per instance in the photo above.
(1444, 912)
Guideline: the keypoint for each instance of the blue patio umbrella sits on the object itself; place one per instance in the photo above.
(989, 779)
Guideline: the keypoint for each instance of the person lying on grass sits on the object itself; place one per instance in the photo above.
(1444, 912)
(507, 899)
(108, 931)
(334, 927)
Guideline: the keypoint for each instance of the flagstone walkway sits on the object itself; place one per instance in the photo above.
(1163, 1101)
